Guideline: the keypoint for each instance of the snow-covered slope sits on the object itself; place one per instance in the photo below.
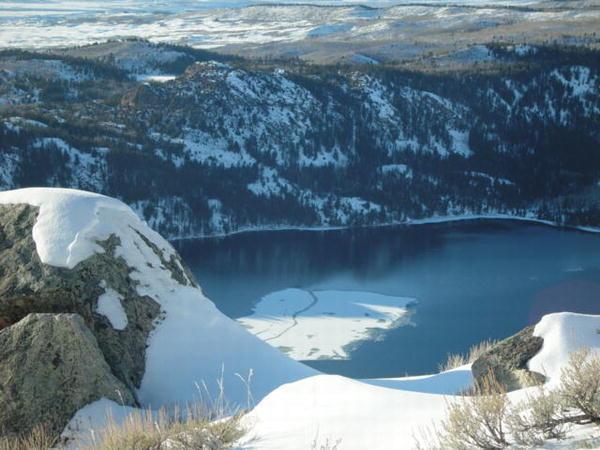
(194, 344)
(285, 146)
(388, 414)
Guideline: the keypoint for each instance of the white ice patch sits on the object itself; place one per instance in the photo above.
(109, 305)
(309, 325)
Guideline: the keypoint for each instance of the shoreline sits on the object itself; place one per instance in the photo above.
(426, 221)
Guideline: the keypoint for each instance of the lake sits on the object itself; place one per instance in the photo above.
(472, 280)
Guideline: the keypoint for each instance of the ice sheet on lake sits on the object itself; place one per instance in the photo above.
(310, 325)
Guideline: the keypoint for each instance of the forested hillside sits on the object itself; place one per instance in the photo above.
(204, 144)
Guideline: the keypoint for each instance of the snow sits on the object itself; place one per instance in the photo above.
(378, 98)
(270, 184)
(201, 147)
(563, 333)
(460, 142)
(210, 24)
(109, 305)
(491, 179)
(50, 69)
(89, 169)
(156, 78)
(376, 414)
(333, 408)
(383, 414)
(81, 429)
(195, 338)
(9, 166)
(579, 80)
(310, 325)
(17, 121)
(525, 49)
(327, 29)
(402, 169)
(324, 158)
(446, 383)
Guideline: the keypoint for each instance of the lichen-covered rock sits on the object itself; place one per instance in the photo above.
(50, 367)
(506, 362)
(68, 251)
(29, 286)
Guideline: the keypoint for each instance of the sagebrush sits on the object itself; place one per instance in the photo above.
(488, 420)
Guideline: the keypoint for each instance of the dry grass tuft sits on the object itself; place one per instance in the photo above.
(195, 429)
(40, 438)
(455, 360)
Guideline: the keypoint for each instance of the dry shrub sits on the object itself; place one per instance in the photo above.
(538, 418)
(193, 430)
(40, 438)
(476, 422)
(455, 360)
(486, 420)
(580, 385)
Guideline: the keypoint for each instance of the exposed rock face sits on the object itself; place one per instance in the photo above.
(50, 367)
(507, 362)
(29, 286)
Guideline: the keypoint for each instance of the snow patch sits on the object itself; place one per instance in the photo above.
(564, 333)
(109, 305)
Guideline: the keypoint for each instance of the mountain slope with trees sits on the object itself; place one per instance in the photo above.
(227, 144)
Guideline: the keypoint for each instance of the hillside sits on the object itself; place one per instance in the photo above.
(217, 147)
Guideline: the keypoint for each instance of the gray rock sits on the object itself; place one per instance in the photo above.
(29, 286)
(506, 362)
(50, 367)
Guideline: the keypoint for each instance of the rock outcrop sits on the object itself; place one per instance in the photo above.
(67, 251)
(50, 367)
(29, 286)
(506, 362)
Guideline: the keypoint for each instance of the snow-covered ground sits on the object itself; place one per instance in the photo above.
(309, 325)
(386, 414)
(325, 410)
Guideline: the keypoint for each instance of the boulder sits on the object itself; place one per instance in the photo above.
(506, 362)
(50, 367)
(29, 286)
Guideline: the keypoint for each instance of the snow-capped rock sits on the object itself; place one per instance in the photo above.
(98, 240)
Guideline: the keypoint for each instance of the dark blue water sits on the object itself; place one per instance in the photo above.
(473, 281)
